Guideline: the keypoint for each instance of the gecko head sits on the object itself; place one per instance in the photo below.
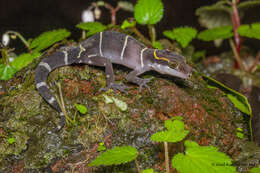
(171, 63)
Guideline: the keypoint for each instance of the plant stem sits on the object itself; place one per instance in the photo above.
(236, 55)
(166, 153)
(236, 23)
(112, 11)
(152, 33)
(141, 36)
(62, 105)
(21, 38)
(137, 166)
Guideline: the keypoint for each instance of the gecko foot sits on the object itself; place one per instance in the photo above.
(143, 82)
(121, 87)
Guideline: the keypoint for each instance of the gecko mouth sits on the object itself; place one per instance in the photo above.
(170, 71)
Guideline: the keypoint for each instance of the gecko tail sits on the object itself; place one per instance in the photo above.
(48, 64)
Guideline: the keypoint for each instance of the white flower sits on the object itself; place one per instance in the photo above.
(87, 16)
(5, 39)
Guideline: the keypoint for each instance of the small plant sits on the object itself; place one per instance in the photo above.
(9, 68)
(81, 108)
(225, 16)
(195, 158)
(175, 132)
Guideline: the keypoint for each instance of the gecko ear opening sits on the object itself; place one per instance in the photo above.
(173, 64)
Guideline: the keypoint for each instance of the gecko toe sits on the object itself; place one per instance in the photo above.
(114, 86)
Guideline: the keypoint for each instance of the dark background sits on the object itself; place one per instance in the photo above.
(32, 17)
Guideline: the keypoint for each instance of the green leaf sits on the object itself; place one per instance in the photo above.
(175, 132)
(127, 24)
(107, 99)
(81, 108)
(24, 59)
(6, 72)
(148, 171)
(239, 104)
(11, 140)
(182, 35)
(223, 32)
(115, 156)
(92, 27)
(120, 104)
(215, 15)
(47, 39)
(239, 129)
(101, 147)
(157, 45)
(148, 12)
(127, 6)
(239, 100)
(254, 170)
(240, 135)
(202, 159)
(251, 31)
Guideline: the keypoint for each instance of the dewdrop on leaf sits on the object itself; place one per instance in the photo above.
(5, 39)
(87, 16)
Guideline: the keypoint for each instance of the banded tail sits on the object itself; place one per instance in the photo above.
(48, 64)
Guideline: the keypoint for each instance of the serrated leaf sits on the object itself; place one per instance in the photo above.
(223, 32)
(92, 27)
(24, 59)
(202, 159)
(175, 132)
(182, 35)
(215, 15)
(127, 6)
(127, 24)
(81, 108)
(251, 31)
(47, 39)
(239, 100)
(148, 12)
(6, 72)
(115, 156)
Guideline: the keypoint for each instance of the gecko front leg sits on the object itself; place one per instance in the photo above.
(132, 77)
(110, 77)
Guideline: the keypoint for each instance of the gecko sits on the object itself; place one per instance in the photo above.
(107, 48)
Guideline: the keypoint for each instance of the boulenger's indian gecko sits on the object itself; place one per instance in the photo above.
(107, 48)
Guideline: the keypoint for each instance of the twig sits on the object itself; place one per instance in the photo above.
(62, 105)
(166, 153)
(112, 11)
(236, 23)
(137, 166)
(236, 55)
(152, 33)
(141, 36)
